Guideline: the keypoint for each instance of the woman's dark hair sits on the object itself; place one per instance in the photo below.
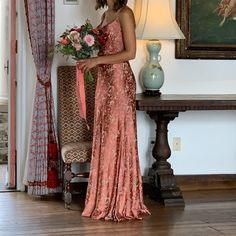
(118, 4)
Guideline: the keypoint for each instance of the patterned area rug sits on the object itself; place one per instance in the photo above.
(3, 138)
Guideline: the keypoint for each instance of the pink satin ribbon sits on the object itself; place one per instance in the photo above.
(80, 93)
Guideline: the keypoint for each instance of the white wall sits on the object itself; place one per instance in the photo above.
(208, 137)
(4, 55)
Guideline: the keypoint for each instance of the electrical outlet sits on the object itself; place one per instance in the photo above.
(177, 144)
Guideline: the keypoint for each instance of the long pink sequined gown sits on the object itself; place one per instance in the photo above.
(115, 186)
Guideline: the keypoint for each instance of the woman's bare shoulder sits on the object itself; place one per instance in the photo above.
(126, 11)
(126, 14)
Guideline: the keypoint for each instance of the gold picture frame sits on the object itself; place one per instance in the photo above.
(209, 35)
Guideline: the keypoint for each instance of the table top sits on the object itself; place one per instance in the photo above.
(184, 102)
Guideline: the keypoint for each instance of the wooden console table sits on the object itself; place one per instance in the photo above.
(162, 110)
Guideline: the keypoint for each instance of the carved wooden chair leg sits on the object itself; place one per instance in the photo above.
(67, 179)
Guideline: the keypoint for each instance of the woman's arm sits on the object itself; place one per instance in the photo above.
(127, 22)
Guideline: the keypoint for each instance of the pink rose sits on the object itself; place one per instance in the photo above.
(77, 46)
(89, 39)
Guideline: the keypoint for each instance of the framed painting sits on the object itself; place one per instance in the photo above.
(209, 27)
(71, 2)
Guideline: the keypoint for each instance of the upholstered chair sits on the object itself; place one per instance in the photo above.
(74, 137)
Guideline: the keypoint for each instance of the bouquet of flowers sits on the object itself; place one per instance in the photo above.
(80, 43)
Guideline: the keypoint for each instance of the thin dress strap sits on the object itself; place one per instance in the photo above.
(104, 15)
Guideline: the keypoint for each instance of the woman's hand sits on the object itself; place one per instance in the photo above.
(87, 64)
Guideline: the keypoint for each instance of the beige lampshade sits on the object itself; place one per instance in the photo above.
(155, 20)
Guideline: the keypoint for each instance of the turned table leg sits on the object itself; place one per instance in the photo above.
(162, 179)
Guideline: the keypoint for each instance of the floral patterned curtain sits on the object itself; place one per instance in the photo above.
(44, 169)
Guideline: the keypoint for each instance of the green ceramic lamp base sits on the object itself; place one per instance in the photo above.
(152, 74)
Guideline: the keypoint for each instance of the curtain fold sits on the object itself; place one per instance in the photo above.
(44, 164)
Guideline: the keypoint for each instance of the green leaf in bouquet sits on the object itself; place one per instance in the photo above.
(88, 77)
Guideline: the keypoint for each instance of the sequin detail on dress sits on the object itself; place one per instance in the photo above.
(115, 186)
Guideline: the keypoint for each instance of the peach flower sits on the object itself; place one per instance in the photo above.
(74, 36)
(64, 41)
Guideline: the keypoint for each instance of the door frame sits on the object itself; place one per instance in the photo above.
(12, 99)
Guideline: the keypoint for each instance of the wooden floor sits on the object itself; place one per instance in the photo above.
(206, 213)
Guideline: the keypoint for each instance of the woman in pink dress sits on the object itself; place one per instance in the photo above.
(115, 186)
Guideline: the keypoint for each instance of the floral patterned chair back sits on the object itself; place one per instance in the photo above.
(74, 137)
